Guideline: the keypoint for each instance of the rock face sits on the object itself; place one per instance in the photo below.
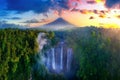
(58, 59)
(41, 40)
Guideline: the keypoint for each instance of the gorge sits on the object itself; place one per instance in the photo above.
(57, 59)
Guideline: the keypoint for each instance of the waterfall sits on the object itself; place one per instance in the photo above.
(48, 59)
(53, 58)
(58, 59)
(69, 56)
(61, 58)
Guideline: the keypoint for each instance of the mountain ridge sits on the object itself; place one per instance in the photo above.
(58, 24)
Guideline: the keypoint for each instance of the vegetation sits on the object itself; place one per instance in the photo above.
(97, 54)
(17, 48)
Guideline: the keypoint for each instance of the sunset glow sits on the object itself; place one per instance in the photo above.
(99, 13)
(93, 13)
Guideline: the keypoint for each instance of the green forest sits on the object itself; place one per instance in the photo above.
(17, 50)
(96, 51)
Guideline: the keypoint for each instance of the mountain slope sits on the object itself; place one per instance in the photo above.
(58, 24)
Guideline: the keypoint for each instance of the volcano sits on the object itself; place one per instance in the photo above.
(58, 24)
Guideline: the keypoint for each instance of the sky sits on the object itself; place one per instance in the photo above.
(35, 13)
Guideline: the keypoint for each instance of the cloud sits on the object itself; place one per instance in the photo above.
(111, 3)
(3, 13)
(44, 20)
(31, 21)
(73, 3)
(4, 24)
(95, 11)
(102, 16)
(28, 5)
(91, 17)
(84, 11)
(102, 12)
(118, 16)
(14, 18)
(91, 2)
(38, 6)
(75, 10)
(3, 21)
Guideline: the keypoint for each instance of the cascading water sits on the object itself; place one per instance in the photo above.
(48, 59)
(69, 57)
(61, 59)
(53, 59)
(57, 59)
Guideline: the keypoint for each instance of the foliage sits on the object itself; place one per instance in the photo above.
(97, 52)
(17, 48)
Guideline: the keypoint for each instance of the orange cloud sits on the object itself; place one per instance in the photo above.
(102, 16)
(102, 12)
(84, 11)
(91, 17)
(118, 16)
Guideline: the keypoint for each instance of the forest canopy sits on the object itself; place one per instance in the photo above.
(17, 50)
(96, 51)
